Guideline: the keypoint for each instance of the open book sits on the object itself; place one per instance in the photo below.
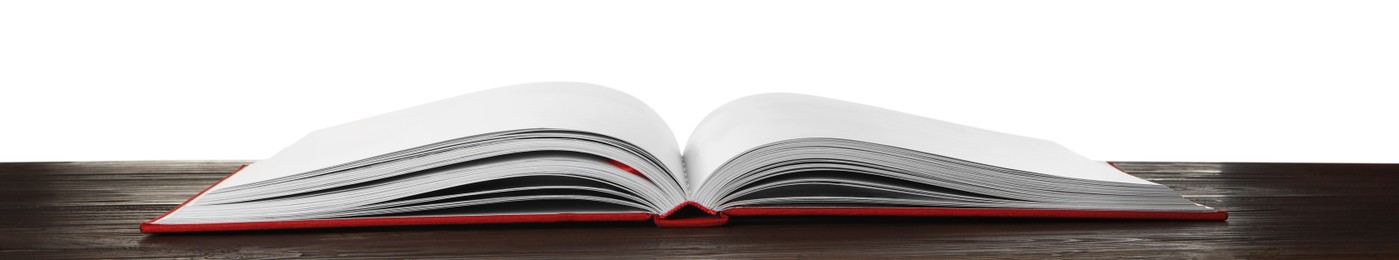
(557, 152)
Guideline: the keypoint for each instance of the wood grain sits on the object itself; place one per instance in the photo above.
(92, 209)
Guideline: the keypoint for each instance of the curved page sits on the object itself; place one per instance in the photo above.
(560, 105)
(757, 120)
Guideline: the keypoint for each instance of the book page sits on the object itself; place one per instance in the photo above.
(757, 120)
(560, 105)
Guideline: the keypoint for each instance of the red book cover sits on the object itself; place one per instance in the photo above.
(689, 214)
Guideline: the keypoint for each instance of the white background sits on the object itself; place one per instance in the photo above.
(1304, 81)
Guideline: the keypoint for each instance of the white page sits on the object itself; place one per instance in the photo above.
(562, 105)
(757, 120)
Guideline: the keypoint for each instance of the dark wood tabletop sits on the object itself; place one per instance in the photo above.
(92, 210)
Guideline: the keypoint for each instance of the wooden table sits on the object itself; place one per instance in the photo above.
(91, 209)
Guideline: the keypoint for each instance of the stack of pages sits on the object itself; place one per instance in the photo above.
(559, 152)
